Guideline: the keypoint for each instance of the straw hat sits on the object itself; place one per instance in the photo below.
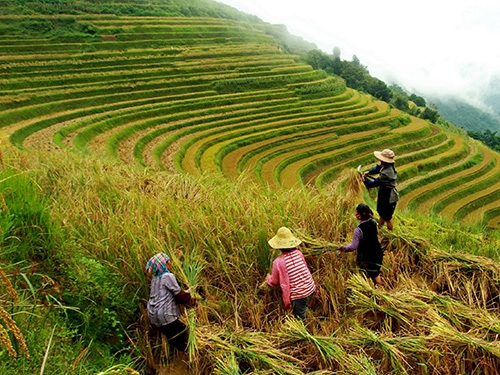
(385, 155)
(284, 239)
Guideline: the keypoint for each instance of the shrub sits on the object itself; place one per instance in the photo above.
(97, 291)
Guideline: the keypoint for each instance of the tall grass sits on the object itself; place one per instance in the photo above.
(76, 232)
(10, 333)
(438, 308)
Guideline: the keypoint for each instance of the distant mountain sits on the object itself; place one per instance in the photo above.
(465, 115)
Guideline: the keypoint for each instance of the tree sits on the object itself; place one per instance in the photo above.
(398, 89)
(336, 62)
(354, 75)
(489, 138)
(400, 102)
(355, 60)
(337, 66)
(430, 114)
(318, 60)
(378, 89)
(418, 100)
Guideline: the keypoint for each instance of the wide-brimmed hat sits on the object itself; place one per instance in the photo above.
(385, 155)
(284, 239)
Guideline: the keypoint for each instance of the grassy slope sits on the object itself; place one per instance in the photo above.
(75, 252)
(197, 97)
(76, 232)
(467, 116)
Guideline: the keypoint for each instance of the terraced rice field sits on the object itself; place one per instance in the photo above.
(203, 95)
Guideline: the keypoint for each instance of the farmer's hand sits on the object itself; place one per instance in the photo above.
(193, 302)
(263, 285)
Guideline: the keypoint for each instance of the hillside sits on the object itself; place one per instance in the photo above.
(169, 8)
(466, 116)
(221, 95)
(133, 127)
(492, 97)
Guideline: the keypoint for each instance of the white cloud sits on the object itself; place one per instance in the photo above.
(444, 46)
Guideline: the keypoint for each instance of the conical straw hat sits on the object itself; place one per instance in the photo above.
(385, 155)
(284, 239)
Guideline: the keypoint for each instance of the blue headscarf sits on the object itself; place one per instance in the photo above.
(157, 264)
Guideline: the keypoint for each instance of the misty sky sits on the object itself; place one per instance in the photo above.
(438, 46)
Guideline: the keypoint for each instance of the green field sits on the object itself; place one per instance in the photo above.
(136, 127)
(220, 96)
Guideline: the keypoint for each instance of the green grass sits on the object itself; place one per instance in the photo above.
(334, 161)
(476, 204)
(416, 201)
(248, 104)
(465, 192)
(271, 137)
(276, 129)
(250, 109)
(106, 92)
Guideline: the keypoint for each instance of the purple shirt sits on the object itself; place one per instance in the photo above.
(356, 237)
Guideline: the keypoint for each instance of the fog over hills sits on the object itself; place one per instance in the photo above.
(436, 49)
(492, 96)
(465, 115)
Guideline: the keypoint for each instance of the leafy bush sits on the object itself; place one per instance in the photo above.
(97, 291)
(430, 114)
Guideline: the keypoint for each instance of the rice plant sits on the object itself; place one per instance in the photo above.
(394, 359)
(200, 103)
(329, 348)
(9, 331)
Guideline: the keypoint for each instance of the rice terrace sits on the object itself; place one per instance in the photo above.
(184, 126)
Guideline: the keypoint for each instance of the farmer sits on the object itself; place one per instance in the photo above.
(164, 299)
(365, 241)
(290, 271)
(388, 195)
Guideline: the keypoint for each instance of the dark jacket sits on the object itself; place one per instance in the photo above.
(369, 248)
(387, 194)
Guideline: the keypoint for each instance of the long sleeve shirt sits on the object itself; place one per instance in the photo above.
(162, 307)
(291, 273)
(387, 181)
(356, 238)
(366, 242)
(375, 182)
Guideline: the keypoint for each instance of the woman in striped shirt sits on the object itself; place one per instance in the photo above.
(290, 271)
